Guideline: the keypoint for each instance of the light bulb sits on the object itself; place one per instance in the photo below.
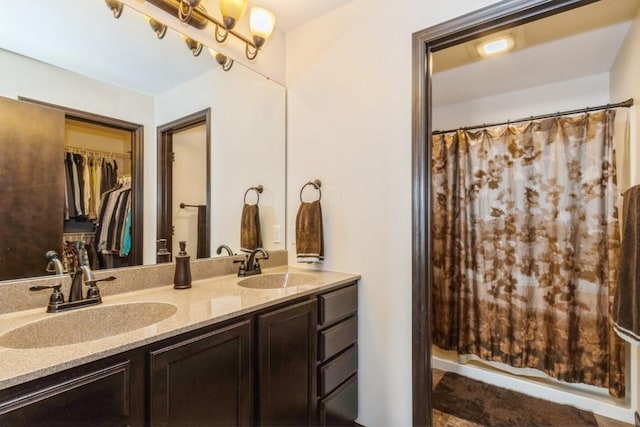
(261, 23)
(232, 11)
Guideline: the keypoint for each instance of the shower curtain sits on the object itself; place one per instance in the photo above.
(524, 246)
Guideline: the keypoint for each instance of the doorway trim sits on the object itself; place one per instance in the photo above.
(497, 17)
(165, 174)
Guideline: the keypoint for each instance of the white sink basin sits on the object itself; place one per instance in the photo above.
(86, 324)
(277, 280)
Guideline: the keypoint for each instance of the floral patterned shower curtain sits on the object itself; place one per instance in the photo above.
(525, 246)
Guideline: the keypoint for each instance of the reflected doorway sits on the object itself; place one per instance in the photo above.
(184, 198)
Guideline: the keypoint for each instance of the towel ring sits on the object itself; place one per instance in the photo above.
(257, 189)
(316, 183)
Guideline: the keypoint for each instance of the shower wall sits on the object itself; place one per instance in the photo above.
(559, 96)
(624, 83)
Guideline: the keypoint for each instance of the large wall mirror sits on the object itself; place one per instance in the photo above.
(76, 56)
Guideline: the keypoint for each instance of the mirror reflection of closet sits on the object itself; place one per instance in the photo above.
(97, 224)
(97, 230)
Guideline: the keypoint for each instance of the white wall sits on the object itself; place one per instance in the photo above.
(560, 96)
(348, 77)
(625, 83)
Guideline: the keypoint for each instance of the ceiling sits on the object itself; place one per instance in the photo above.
(126, 53)
(577, 43)
(293, 13)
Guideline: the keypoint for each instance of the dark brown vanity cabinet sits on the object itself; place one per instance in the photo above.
(338, 357)
(292, 365)
(286, 371)
(205, 380)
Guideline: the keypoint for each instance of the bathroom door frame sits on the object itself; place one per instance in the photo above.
(493, 18)
(165, 174)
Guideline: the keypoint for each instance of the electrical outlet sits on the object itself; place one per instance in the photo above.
(277, 236)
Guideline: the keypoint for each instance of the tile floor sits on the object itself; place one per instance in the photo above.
(440, 419)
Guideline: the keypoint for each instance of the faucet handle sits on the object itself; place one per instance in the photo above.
(243, 266)
(56, 296)
(93, 291)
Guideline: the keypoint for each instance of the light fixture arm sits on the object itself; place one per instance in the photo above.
(249, 45)
(221, 34)
(250, 51)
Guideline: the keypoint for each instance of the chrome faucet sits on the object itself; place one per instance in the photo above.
(83, 275)
(226, 248)
(253, 266)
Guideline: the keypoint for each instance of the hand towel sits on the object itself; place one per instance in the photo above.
(250, 237)
(309, 238)
(626, 301)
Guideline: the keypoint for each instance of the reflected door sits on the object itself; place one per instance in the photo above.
(184, 195)
(32, 183)
(189, 188)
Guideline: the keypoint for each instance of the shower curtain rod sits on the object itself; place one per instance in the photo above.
(625, 104)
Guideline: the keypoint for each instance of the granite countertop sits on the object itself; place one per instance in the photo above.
(207, 302)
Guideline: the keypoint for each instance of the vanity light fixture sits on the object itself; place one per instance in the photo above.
(116, 7)
(495, 46)
(194, 45)
(232, 11)
(261, 23)
(158, 27)
(225, 62)
(193, 13)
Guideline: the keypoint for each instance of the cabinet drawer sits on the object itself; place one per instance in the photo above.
(336, 338)
(335, 372)
(341, 406)
(337, 305)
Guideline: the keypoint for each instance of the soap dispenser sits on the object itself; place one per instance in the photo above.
(162, 254)
(182, 278)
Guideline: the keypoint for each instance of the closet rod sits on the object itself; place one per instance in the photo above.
(79, 150)
(625, 104)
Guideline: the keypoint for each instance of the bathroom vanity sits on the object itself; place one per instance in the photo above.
(227, 355)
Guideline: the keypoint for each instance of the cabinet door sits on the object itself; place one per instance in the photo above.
(32, 186)
(287, 353)
(97, 398)
(204, 381)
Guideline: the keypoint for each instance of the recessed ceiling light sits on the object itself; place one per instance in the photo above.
(495, 46)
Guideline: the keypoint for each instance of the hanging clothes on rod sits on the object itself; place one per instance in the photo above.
(87, 176)
(113, 233)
